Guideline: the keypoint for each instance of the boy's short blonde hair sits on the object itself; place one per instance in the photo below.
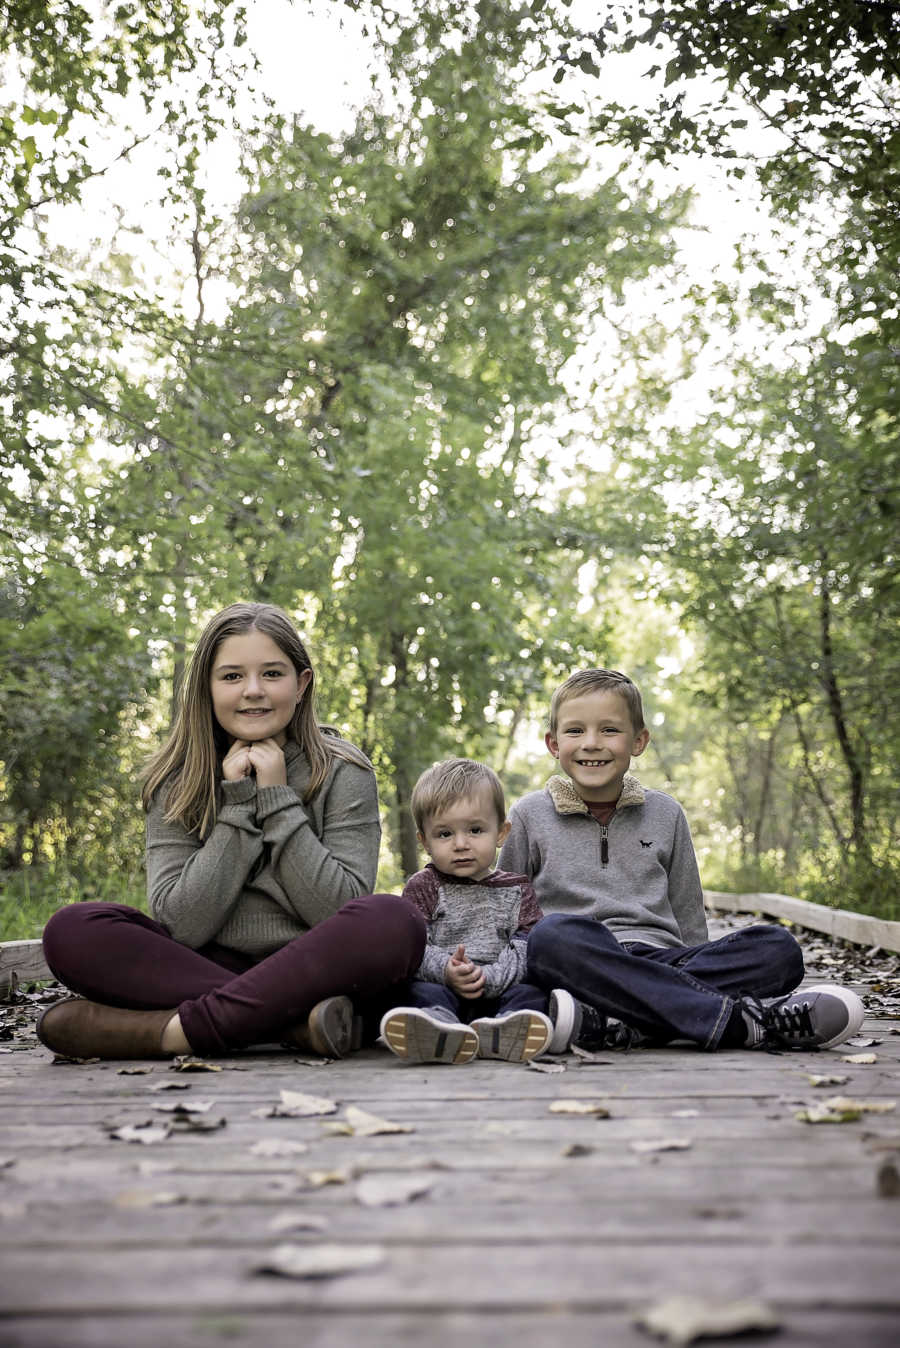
(596, 680)
(450, 781)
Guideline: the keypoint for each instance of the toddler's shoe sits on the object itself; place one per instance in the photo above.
(518, 1036)
(433, 1035)
(811, 1018)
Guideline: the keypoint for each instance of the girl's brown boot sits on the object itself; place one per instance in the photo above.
(77, 1028)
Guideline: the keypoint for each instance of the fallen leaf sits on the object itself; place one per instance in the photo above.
(682, 1319)
(317, 1179)
(320, 1261)
(370, 1125)
(191, 1123)
(579, 1107)
(576, 1149)
(538, 1065)
(296, 1221)
(662, 1144)
(61, 1060)
(184, 1106)
(815, 1080)
(186, 1063)
(864, 1106)
(277, 1146)
(148, 1132)
(587, 1057)
(147, 1198)
(296, 1105)
(860, 1059)
(843, 1109)
(387, 1191)
(167, 1085)
(134, 1071)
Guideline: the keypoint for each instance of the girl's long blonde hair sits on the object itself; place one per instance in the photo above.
(190, 762)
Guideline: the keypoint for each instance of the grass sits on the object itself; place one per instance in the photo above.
(33, 894)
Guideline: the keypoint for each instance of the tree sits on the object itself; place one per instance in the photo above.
(411, 296)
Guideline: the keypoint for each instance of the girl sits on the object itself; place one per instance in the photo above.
(262, 836)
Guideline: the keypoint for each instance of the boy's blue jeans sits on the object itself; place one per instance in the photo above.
(681, 992)
(517, 997)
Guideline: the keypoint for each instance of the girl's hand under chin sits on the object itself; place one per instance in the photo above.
(267, 761)
(236, 764)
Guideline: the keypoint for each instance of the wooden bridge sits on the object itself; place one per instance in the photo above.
(512, 1206)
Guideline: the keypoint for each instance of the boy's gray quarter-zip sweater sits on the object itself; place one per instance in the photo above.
(638, 874)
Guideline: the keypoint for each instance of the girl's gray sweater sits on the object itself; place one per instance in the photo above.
(272, 867)
(638, 874)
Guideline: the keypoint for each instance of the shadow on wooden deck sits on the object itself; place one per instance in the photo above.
(532, 1228)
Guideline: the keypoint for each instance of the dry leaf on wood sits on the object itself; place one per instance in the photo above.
(683, 1319)
(388, 1191)
(148, 1132)
(587, 1057)
(661, 1144)
(579, 1107)
(363, 1124)
(842, 1109)
(296, 1105)
(168, 1085)
(815, 1080)
(195, 1123)
(317, 1179)
(576, 1149)
(538, 1065)
(320, 1261)
(278, 1146)
(860, 1059)
(296, 1221)
(184, 1106)
(186, 1063)
(61, 1060)
(134, 1071)
(147, 1198)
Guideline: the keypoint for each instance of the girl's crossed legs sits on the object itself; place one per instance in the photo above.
(120, 957)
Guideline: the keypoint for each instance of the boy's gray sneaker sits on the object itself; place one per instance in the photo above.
(518, 1036)
(811, 1018)
(580, 1025)
(564, 1013)
(432, 1035)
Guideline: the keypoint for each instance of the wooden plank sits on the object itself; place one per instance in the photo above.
(457, 1328)
(841, 923)
(25, 959)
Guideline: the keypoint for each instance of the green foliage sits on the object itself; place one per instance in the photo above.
(34, 894)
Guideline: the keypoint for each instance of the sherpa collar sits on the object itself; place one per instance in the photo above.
(567, 800)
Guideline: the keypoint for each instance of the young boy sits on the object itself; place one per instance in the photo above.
(469, 997)
(613, 864)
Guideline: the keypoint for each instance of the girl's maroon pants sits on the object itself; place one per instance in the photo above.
(117, 955)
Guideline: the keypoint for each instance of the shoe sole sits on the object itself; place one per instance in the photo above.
(331, 1028)
(416, 1038)
(562, 1014)
(518, 1037)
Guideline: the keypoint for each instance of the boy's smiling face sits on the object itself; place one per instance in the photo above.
(462, 838)
(595, 742)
